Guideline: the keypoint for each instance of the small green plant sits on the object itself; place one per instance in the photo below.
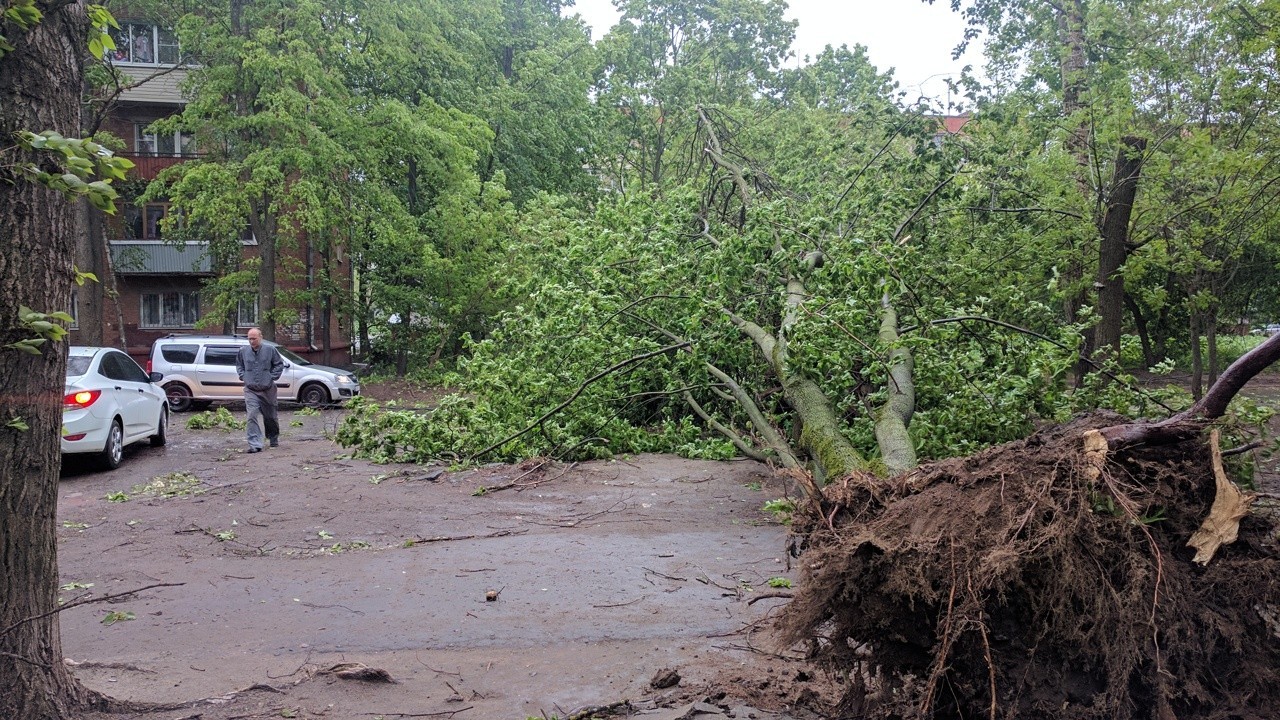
(409, 543)
(753, 486)
(779, 582)
(781, 508)
(75, 586)
(308, 411)
(295, 423)
(215, 419)
(114, 617)
(74, 525)
(118, 496)
(376, 479)
(225, 535)
(325, 535)
(1152, 517)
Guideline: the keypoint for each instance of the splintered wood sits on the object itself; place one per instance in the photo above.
(1230, 506)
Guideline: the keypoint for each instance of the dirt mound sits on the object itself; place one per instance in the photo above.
(1016, 583)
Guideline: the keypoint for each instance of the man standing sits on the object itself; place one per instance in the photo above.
(259, 367)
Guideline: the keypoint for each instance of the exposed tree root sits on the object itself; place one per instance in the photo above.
(1046, 578)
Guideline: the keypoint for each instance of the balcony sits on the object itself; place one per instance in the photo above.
(148, 165)
(154, 257)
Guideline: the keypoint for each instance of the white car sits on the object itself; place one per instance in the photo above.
(109, 402)
(199, 369)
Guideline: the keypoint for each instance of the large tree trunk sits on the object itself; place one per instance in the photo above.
(40, 83)
(1114, 250)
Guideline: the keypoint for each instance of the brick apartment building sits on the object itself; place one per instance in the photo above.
(159, 285)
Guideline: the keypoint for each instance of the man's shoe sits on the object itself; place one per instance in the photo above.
(275, 443)
(254, 450)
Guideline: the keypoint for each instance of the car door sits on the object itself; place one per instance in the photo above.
(131, 392)
(217, 374)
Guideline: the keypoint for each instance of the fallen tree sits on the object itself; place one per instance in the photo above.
(1068, 575)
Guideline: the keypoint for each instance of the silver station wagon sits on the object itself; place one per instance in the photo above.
(201, 369)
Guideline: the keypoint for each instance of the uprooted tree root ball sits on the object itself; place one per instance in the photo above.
(1022, 582)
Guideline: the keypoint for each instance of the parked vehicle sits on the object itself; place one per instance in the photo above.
(109, 402)
(197, 370)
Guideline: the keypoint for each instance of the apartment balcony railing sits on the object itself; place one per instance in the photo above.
(148, 165)
(153, 257)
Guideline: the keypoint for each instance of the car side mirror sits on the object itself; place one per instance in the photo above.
(155, 377)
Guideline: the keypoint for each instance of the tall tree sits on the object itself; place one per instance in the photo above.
(665, 59)
(42, 57)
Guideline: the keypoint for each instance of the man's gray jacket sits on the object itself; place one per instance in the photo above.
(259, 369)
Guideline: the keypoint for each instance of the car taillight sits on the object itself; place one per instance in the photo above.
(148, 366)
(80, 399)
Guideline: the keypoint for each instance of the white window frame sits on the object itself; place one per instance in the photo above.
(148, 143)
(188, 305)
(158, 41)
(243, 320)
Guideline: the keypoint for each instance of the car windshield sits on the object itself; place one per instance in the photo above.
(78, 365)
(292, 357)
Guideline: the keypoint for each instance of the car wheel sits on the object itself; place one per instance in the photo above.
(179, 397)
(113, 451)
(162, 429)
(313, 395)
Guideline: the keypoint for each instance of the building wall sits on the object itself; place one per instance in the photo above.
(113, 315)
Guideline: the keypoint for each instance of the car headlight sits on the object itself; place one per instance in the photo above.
(345, 379)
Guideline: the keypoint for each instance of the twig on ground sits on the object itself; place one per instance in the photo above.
(88, 601)
(629, 602)
(578, 521)
(442, 713)
(447, 538)
(593, 710)
(669, 577)
(766, 596)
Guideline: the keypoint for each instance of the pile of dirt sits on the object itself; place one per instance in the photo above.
(1017, 583)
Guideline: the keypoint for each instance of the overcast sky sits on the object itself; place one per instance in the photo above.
(913, 38)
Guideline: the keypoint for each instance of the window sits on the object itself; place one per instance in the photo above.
(118, 366)
(78, 365)
(144, 44)
(75, 309)
(143, 223)
(179, 353)
(220, 355)
(170, 309)
(176, 143)
(247, 313)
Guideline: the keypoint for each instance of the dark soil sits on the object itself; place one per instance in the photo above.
(1015, 583)
(292, 561)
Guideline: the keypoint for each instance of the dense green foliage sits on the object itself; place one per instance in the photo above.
(671, 238)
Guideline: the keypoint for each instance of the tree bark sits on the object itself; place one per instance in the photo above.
(1114, 250)
(893, 419)
(1144, 335)
(40, 82)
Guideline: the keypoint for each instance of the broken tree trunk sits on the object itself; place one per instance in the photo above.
(894, 418)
